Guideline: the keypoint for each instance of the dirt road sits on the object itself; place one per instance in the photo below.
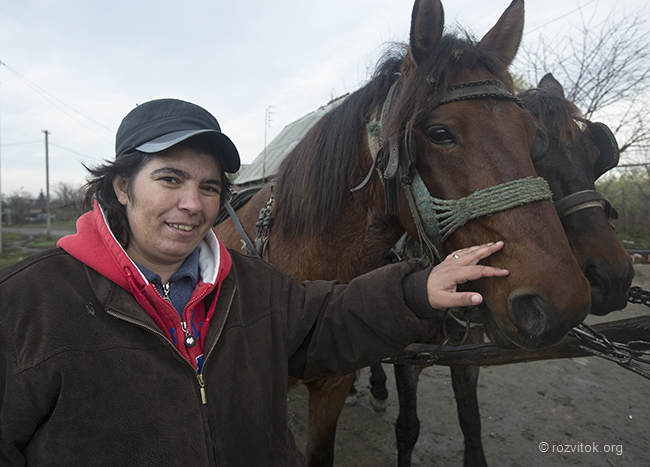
(572, 405)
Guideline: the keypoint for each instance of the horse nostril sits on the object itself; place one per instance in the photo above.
(533, 315)
(591, 273)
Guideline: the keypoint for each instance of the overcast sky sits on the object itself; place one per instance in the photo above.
(76, 67)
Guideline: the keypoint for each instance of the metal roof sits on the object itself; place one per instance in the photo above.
(268, 161)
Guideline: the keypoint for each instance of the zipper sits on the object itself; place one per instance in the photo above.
(190, 340)
(156, 331)
(207, 354)
(204, 399)
(165, 289)
(140, 324)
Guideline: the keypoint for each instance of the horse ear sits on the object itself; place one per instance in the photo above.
(504, 38)
(427, 23)
(549, 84)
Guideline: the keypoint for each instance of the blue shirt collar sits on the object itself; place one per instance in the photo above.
(189, 268)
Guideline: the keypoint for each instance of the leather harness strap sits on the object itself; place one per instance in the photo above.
(583, 200)
(242, 233)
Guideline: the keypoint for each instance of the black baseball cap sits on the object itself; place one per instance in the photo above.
(160, 124)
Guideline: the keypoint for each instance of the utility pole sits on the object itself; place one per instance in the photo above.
(47, 184)
(1, 250)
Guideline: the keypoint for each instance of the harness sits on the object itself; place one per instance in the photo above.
(605, 141)
(582, 200)
(259, 246)
(436, 219)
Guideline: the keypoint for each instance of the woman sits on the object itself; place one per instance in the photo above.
(142, 340)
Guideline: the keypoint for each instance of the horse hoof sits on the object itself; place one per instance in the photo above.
(351, 400)
(378, 405)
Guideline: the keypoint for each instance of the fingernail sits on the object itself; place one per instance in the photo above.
(499, 242)
(490, 244)
(476, 299)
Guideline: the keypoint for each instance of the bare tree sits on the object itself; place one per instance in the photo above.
(20, 203)
(65, 204)
(66, 193)
(604, 69)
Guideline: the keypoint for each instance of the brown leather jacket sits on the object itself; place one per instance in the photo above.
(87, 378)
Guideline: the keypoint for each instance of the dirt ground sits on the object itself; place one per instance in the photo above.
(571, 404)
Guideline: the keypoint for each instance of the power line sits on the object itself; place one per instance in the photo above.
(53, 144)
(560, 17)
(55, 101)
(74, 152)
(18, 144)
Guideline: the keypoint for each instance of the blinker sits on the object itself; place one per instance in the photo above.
(605, 141)
(540, 145)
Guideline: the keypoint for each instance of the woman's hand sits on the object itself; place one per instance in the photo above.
(457, 268)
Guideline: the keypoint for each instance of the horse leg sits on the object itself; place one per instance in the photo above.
(378, 391)
(326, 400)
(352, 397)
(464, 382)
(407, 426)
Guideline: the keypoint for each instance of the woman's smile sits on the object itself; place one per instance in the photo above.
(171, 204)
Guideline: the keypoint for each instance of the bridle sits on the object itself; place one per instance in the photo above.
(436, 219)
(582, 200)
(605, 141)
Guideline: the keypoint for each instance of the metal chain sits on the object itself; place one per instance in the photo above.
(636, 360)
(624, 355)
(429, 358)
(637, 295)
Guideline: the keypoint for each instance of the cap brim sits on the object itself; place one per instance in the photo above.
(225, 148)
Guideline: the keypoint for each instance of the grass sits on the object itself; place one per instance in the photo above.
(53, 225)
(10, 258)
(43, 242)
(11, 254)
(8, 237)
(634, 240)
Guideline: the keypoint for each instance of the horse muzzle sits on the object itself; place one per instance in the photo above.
(534, 322)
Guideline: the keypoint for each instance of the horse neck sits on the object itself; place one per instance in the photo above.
(359, 241)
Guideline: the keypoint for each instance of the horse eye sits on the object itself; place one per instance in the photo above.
(440, 136)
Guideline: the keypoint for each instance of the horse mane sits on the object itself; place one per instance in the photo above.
(316, 176)
(557, 116)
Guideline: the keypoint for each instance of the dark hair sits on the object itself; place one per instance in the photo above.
(100, 185)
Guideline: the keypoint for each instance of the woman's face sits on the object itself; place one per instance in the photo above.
(171, 203)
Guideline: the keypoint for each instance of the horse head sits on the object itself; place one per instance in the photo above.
(579, 152)
(455, 131)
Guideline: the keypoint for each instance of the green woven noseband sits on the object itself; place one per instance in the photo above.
(440, 217)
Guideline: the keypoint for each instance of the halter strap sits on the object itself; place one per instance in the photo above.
(478, 90)
(441, 218)
(389, 165)
(582, 200)
(436, 219)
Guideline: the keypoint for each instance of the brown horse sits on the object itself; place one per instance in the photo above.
(440, 118)
(579, 152)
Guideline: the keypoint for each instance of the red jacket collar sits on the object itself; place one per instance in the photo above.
(95, 245)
